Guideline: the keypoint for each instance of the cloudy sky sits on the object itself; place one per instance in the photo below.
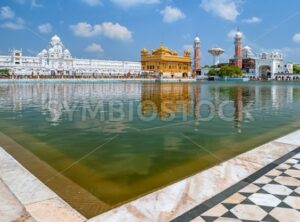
(118, 29)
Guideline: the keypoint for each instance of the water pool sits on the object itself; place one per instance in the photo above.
(101, 145)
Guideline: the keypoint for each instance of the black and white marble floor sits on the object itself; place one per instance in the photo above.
(273, 194)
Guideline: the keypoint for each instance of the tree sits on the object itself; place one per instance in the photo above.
(230, 71)
(296, 69)
(4, 72)
(213, 72)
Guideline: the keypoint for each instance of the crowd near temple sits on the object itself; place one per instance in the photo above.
(57, 61)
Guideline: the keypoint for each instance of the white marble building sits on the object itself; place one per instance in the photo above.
(57, 60)
(267, 65)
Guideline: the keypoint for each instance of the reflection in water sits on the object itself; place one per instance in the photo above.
(197, 104)
(55, 100)
(166, 99)
(61, 123)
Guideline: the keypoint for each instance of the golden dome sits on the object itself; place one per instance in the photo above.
(144, 51)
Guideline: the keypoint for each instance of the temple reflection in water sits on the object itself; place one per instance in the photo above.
(166, 99)
(185, 101)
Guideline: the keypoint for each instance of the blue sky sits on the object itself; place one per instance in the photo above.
(118, 29)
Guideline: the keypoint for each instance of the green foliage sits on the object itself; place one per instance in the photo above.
(4, 72)
(230, 71)
(206, 66)
(213, 72)
(296, 69)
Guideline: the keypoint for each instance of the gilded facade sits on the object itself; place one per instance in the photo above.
(167, 62)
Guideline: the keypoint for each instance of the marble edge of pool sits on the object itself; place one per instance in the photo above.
(43, 204)
(176, 199)
(40, 202)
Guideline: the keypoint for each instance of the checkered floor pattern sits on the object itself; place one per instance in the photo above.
(273, 197)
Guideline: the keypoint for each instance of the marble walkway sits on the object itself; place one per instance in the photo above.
(23, 198)
(10, 208)
(272, 194)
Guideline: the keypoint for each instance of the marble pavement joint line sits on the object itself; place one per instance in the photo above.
(41, 203)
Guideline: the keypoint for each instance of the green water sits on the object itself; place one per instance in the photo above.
(122, 141)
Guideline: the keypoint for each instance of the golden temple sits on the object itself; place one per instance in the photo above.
(167, 63)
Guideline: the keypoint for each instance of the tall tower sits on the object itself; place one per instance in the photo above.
(197, 55)
(238, 49)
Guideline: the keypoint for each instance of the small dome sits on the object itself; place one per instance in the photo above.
(247, 48)
(67, 52)
(55, 40)
(163, 47)
(239, 35)
(197, 39)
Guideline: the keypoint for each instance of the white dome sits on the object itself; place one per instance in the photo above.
(43, 53)
(197, 39)
(67, 52)
(55, 40)
(247, 52)
(239, 35)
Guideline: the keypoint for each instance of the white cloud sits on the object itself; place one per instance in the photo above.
(45, 28)
(107, 29)
(226, 9)
(231, 34)
(296, 38)
(252, 20)
(94, 48)
(11, 21)
(116, 31)
(171, 14)
(18, 24)
(92, 2)
(6, 13)
(86, 30)
(131, 3)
